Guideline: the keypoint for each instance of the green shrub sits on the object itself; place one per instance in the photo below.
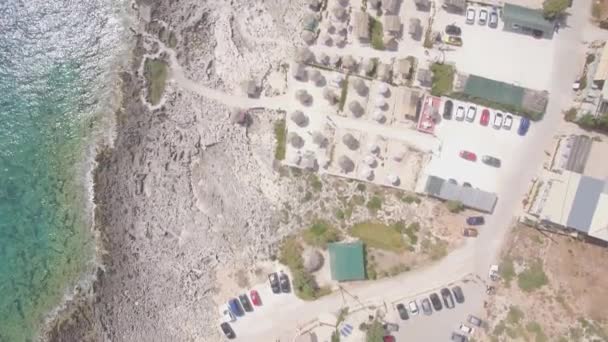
(315, 182)
(320, 234)
(281, 138)
(409, 199)
(375, 332)
(570, 114)
(378, 235)
(515, 315)
(155, 72)
(339, 214)
(533, 277)
(374, 203)
(507, 270)
(553, 9)
(454, 206)
(377, 34)
(443, 79)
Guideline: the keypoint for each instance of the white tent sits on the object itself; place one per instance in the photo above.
(382, 88)
(370, 160)
(392, 179)
(366, 173)
(380, 103)
(378, 116)
(374, 148)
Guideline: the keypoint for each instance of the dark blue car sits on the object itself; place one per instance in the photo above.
(475, 220)
(524, 124)
(235, 307)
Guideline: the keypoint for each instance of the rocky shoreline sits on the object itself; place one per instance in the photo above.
(183, 191)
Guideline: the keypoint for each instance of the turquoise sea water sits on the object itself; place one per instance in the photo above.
(57, 81)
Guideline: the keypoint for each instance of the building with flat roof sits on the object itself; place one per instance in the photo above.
(469, 197)
(527, 21)
(573, 201)
(346, 261)
(360, 22)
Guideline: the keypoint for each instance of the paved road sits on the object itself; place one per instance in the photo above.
(476, 255)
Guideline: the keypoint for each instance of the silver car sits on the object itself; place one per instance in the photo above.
(491, 161)
(470, 16)
(493, 23)
(426, 306)
(471, 113)
(483, 17)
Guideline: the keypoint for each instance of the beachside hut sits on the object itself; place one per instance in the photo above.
(404, 67)
(359, 86)
(349, 63)
(346, 164)
(303, 96)
(361, 25)
(304, 55)
(390, 6)
(323, 58)
(319, 139)
(415, 28)
(308, 37)
(295, 140)
(374, 3)
(350, 141)
(250, 88)
(299, 118)
(298, 71)
(330, 96)
(392, 24)
(355, 108)
(383, 72)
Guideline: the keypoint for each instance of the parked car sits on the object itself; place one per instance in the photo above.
(227, 315)
(255, 298)
(460, 113)
(273, 278)
(483, 17)
(452, 181)
(456, 337)
(402, 311)
(426, 306)
(452, 40)
(466, 329)
(453, 30)
(467, 185)
(436, 301)
(492, 161)
(485, 117)
(448, 300)
(458, 295)
(474, 320)
(498, 120)
(447, 109)
(470, 232)
(390, 327)
(413, 308)
(470, 16)
(388, 338)
(227, 330)
(471, 112)
(245, 303)
(508, 122)
(468, 155)
(235, 307)
(493, 23)
(284, 282)
(476, 220)
(493, 272)
(524, 124)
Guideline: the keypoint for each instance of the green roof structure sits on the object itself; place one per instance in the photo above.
(495, 91)
(346, 261)
(528, 17)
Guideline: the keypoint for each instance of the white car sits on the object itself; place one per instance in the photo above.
(493, 23)
(413, 308)
(483, 17)
(460, 113)
(470, 16)
(466, 329)
(508, 122)
(228, 316)
(471, 112)
(498, 119)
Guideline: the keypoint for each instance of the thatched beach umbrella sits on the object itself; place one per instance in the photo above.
(393, 179)
(338, 12)
(298, 71)
(346, 164)
(370, 160)
(308, 37)
(334, 60)
(355, 108)
(309, 162)
(378, 116)
(380, 103)
(366, 173)
(319, 139)
(304, 55)
(359, 86)
(303, 96)
(374, 148)
(350, 141)
(299, 118)
(349, 62)
(295, 140)
(323, 58)
(330, 96)
(383, 89)
(315, 76)
(399, 155)
(295, 159)
(313, 260)
(327, 40)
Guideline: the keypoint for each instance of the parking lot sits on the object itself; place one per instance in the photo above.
(496, 54)
(456, 136)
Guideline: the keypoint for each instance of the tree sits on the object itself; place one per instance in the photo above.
(375, 332)
(553, 9)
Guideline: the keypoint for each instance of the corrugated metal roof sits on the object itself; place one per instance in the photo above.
(579, 152)
(599, 224)
(601, 73)
(528, 17)
(346, 261)
(471, 198)
(585, 203)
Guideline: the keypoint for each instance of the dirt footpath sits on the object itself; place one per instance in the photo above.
(552, 288)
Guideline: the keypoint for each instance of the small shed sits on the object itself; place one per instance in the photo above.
(415, 28)
(383, 72)
(360, 21)
(346, 261)
(404, 67)
(349, 63)
(392, 24)
(390, 6)
(527, 21)
(250, 88)
(425, 77)
(457, 6)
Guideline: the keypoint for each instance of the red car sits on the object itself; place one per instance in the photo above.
(485, 117)
(255, 298)
(468, 155)
(388, 338)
